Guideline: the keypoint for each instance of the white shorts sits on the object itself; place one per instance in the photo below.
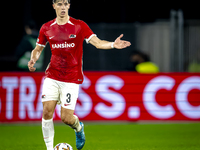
(64, 93)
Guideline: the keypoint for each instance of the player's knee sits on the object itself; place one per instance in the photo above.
(47, 114)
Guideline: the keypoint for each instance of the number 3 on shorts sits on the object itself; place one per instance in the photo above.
(68, 100)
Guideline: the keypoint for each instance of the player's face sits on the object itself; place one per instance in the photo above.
(61, 8)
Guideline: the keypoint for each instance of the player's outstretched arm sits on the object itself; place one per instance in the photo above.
(35, 55)
(101, 44)
(120, 44)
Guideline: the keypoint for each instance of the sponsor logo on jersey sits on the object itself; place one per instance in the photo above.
(63, 45)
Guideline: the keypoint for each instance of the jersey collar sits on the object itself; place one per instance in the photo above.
(69, 22)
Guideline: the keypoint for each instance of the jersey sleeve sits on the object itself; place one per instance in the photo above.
(42, 40)
(87, 33)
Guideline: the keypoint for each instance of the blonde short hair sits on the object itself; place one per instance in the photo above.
(56, 1)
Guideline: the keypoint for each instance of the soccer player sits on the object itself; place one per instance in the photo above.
(64, 73)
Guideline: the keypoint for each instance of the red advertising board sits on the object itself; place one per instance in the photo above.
(107, 96)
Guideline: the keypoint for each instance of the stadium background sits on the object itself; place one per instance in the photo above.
(167, 31)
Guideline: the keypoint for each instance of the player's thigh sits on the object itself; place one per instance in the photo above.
(50, 97)
(69, 95)
(50, 90)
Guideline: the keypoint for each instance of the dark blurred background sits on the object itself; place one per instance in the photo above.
(167, 31)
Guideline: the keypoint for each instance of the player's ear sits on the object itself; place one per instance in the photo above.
(53, 6)
(68, 6)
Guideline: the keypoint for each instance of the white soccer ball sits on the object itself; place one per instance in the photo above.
(63, 146)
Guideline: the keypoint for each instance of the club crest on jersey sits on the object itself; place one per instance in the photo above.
(72, 36)
(63, 45)
(43, 96)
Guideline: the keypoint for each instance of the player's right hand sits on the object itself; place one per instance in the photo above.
(31, 64)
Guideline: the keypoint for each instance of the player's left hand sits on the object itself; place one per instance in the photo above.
(120, 44)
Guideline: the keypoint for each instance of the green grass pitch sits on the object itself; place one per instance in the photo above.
(112, 136)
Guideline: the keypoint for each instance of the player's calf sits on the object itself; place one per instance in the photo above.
(78, 128)
(48, 133)
(67, 116)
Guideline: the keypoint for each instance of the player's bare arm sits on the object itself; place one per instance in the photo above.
(35, 55)
(101, 44)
